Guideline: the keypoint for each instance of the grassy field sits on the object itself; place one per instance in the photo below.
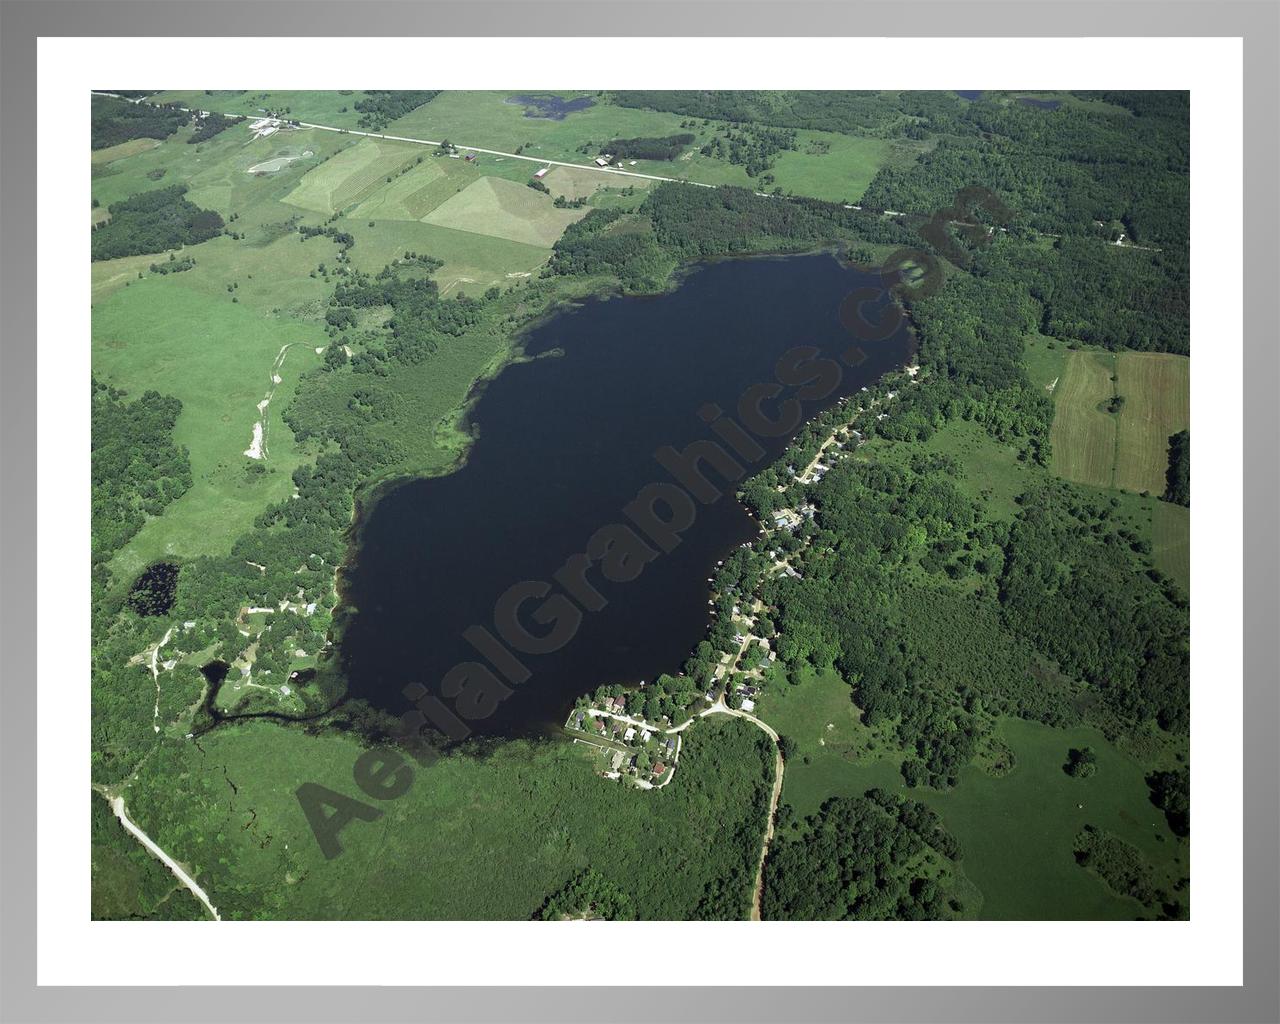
(318, 106)
(1127, 449)
(472, 262)
(1016, 830)
(826, 165)
(217, 358)
(505, 209)
(475, 837)
(118, 152)
(578, 183)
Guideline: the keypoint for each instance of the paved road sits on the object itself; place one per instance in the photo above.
(469, 149)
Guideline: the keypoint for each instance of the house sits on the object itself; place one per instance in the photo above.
(659, 768)
(748, 704)
(619, 704)
(629, 735)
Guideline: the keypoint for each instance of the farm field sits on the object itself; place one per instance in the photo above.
(1157, 393)
(1015, 830)
(1083, 433)
(1127, 449)
(505, 209)
(351, 175)
(218, 359)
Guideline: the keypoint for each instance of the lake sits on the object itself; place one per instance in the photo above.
(564, 440)
(551, 108)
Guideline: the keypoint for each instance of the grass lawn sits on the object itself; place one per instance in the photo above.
(505, 209)
(216, 357)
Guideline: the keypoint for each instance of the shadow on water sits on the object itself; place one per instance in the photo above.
(563, 444)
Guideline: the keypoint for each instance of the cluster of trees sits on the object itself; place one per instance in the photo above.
(588, 896)
(420, 318)
(696, 223)
(173, 265)
(344, 239)
(876, 857)
(1124, 869)
(1171, 792)
(114, 121)
(607, 242)
(1078, 587)
(1081, 762)
(137, 470)
(754, 147)
(668, 147)
(210, 125)
(1178, 475)
(153, 222)
(905, 114)
(379, 107)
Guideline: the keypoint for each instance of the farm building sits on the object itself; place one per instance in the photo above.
(541, 172)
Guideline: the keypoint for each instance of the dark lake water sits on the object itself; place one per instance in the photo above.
(565, 441)
(552, 108)
(969, 94)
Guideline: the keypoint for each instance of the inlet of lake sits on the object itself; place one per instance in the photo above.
(564, 439)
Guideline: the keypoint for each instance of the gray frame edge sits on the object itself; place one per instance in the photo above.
(23, 21)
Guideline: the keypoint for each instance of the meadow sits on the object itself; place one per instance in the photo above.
(217, 357)
(475, 837)
(1016, 830)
